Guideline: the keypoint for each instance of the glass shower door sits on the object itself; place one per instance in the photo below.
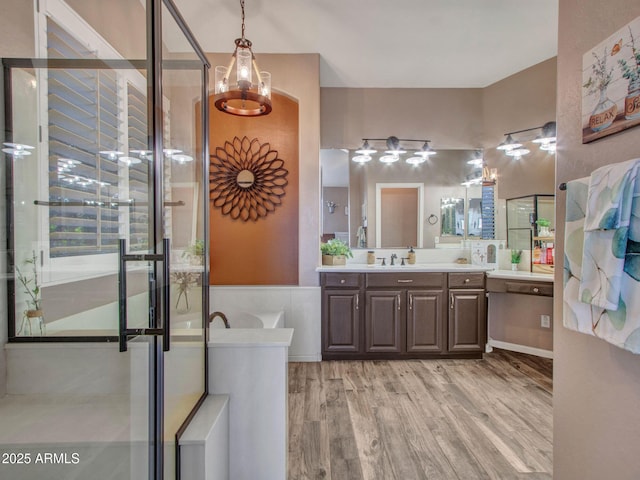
(184, 88)
(97, 200)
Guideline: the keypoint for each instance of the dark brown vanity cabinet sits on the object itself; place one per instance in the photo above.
(467, 313)
(341, 313)
(383, 326)
(402, 315)
(427, 311)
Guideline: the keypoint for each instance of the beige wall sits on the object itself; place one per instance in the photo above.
(596, 385)
(17, 27)
(524, 100)
(121, 22)
(338, 221)
(515, 319)
(450, 117)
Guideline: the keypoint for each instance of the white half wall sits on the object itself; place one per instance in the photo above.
(300, 304)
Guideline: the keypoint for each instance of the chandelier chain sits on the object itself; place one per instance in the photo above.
(242, 7)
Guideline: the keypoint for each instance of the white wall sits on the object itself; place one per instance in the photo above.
(300, 304)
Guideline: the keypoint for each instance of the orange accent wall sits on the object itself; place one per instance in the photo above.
(265, 251)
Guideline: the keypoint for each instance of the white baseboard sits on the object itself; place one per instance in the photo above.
(520, 348)
(305, 358)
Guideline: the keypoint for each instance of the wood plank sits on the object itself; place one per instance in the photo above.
(414, 419)
(344, 455)
(405, 463)
(375, 464)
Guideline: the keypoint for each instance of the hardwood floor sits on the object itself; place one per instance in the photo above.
(421, 419)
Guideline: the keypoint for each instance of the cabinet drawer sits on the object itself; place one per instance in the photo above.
(544, 289)
(341, 279)
(466, 280)
(409, 279)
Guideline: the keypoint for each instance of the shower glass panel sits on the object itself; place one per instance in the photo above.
(184, 220)
(104, 220)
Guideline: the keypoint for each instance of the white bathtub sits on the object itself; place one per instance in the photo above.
(251, 320)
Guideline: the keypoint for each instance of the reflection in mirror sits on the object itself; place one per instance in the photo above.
(452, 216)
(441, 177)
(474, 217)
(335, 195)
(399, 212)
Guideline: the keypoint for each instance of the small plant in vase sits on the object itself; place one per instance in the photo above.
(195, 252)
(335, 252)
(516, 256)
(31, 285)
(631, 71)
(543, 227)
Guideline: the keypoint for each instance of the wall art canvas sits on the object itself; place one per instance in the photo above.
(611, 84)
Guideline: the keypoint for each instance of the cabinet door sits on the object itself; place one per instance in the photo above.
(383, 325)
(341, 320)
(426, 311)
(467, 320)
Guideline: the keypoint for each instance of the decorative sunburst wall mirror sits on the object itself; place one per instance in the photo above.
(247, 179)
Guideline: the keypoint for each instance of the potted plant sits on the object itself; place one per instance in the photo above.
(195, 252)
(543, 227)
(335, 252)
(31, 285)
(516, 256)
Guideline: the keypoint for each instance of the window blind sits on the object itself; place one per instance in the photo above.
(138, 173)
(83, 120)
(488, 213)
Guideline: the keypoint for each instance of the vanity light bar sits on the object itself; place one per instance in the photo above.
(393, 151)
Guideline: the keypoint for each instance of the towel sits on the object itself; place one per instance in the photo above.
(620, 327)
(612, 194)
(362, 237)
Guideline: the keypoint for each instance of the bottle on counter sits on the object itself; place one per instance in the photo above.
(537, 254)
(411, 257)
(550, 254)
(371, 257)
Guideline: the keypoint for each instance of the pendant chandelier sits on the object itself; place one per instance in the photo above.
(243, 96)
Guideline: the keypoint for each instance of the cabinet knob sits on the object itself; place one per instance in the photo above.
(536, 289)
(343, 281)
(467, 280)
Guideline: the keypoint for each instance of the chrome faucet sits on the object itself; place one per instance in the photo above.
(222, 316)
(393, 257)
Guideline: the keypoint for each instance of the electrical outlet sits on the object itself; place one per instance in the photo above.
(545, 321)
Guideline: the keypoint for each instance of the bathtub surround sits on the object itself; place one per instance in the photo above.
(204, 445)
(301, 306)
(250, 365)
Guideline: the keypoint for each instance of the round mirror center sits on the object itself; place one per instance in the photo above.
(245, 179)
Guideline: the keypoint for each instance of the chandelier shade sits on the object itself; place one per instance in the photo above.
(237, 92)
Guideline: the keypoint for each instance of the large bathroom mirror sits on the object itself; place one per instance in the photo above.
(369, 216)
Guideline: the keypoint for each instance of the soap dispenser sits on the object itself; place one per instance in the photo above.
(411, 259)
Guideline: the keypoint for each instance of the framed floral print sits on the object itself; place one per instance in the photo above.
(611, 84)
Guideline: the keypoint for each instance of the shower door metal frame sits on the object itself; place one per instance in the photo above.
(153, 65)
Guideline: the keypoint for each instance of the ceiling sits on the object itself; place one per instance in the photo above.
(401, 43)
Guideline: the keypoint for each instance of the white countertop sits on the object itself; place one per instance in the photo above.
(416, 267)
(250, 337)
(517, 275)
